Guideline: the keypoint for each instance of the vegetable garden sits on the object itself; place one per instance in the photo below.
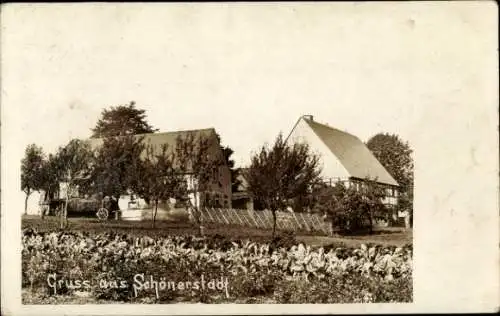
(102, 267)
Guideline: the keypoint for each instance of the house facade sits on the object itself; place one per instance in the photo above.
(241, 197)
(343, 157)
(219, 186)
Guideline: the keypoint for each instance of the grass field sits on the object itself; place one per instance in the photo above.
(386, 236)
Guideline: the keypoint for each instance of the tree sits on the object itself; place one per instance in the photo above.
(228, 152)
(281, 173)
(31, 171)
(157, 178)
(349, 207)
(113, 170)
(372, 206)
(122, 120)
(74, 163)
(201, 160)
(396, 156)
(50, 178)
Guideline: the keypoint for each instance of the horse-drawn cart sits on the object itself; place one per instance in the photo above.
(102, 208)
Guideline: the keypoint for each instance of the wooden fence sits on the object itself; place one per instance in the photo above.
(264, 219)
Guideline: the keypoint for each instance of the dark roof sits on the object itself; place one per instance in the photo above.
(160, 139)
(352, 153)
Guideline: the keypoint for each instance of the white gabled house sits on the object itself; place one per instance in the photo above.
(220, 184)
(343, 156)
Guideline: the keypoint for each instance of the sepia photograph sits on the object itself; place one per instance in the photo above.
(173, 154)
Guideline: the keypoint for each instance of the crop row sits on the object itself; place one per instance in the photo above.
(112, 266)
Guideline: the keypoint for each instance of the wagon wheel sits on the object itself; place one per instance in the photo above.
(102, 213)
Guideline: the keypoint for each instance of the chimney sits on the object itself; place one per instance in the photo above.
(308, 117)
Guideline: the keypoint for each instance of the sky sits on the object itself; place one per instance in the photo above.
(249, 71)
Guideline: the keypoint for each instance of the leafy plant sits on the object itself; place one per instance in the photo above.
(300, 274)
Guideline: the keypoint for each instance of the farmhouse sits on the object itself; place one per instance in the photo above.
(343, 156)
(220, 185)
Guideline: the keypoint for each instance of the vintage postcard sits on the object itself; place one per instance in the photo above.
(223, 158)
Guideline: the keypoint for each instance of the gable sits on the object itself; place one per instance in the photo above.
(352, 153)
(330, 165)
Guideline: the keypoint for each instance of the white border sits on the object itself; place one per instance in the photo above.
(456, 202)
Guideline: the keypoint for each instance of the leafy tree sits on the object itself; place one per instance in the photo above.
(228, 152)
(50, 176)
(157, 178)
(396, 156)
(74, 163)
(122, 120)
(349, 207)
(281, 173)
(113, 170)
(201, 160)
(31, 171)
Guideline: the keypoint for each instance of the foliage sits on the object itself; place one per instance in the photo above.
(201, 160)
(281, 173)
(396, 156)
(299, 274)
(31, 171)
(122, 120)
(351, 208)
(50, 174)
(228, 152)
(156, 178)
(73, 166)
(114, 170)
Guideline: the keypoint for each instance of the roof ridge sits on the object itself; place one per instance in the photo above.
(351, 152)
(178, 131)
(331, 127)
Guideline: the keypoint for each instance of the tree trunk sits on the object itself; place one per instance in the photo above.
(274, 223)
(195, 208)
(371, 223)
(64, 213)
(26, 203)
(154, 212)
